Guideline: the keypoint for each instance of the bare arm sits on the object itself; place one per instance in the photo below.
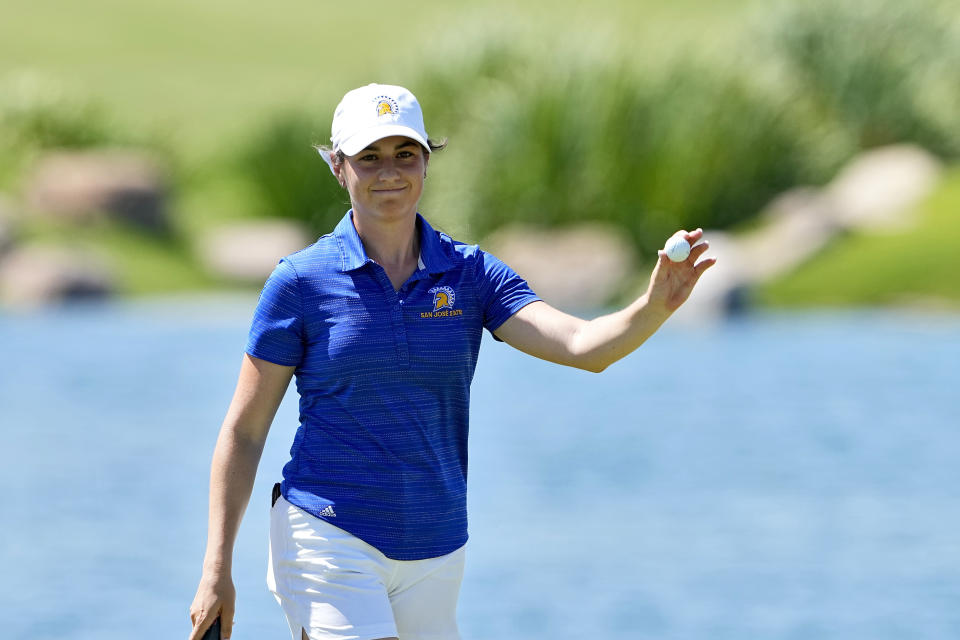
(593, 345)
(260, 389)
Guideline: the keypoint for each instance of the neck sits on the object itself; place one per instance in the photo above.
(390, 244)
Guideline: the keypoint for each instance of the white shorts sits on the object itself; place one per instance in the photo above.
(337, 587)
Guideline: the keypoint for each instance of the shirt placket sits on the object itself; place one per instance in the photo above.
(395, 301)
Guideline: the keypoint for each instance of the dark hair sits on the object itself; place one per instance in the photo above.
(435, 145)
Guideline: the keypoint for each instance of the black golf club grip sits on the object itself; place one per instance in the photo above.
(213, 633)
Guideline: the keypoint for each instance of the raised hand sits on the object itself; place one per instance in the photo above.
(672, 282)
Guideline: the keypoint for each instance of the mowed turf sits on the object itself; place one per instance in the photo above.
(200, 72)
(204, 74)
(916, 266)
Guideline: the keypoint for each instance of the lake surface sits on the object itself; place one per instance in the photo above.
(787, 476)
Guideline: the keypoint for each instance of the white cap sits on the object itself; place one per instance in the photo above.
(370, 113)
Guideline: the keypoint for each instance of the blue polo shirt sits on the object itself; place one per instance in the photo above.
(384, 382)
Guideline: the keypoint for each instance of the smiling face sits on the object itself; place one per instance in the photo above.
(385, 180)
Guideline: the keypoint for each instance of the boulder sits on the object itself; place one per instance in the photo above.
(577, 268)
(7, 224)
(82, 186)
(879, 189)
(724, 289)
(794, 226)
(249, 251)
(34, 275)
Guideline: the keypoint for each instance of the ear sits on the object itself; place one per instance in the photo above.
(337, 169)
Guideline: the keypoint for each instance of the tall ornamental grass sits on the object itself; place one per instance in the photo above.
(553, 138)
(545, 132)
(563, 141)
(288, 176)
(37, 114)
(887, 71)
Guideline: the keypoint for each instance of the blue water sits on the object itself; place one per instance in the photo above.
(779, 476)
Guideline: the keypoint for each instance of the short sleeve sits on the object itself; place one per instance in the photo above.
(276, 334)
(502, 292)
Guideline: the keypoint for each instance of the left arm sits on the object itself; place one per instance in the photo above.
(547, 333)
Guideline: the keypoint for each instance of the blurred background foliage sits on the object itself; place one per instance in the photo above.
(647, 117)
(37, 114)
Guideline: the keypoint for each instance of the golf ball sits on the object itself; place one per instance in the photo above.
(677, 248)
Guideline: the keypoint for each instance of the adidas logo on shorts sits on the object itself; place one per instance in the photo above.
(328, 512)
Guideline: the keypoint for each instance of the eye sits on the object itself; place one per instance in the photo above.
(369, 157)
(405, 154)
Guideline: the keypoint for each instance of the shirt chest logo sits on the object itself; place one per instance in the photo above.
(444, 299)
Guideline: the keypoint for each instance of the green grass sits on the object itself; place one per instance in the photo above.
(204, 79)
(202, 71)
(918, 266)
(143, 263)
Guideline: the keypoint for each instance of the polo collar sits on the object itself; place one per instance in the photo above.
(352, 254)
(432, 257)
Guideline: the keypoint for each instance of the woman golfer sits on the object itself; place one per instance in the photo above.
(381, 322)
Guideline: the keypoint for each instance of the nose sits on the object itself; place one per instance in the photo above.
(388, 169)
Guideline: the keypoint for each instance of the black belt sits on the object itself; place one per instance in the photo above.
(276, 495)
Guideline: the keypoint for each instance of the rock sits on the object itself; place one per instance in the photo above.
(876, 191)
(723, 289)
(795, 225)
(249, 251)
(579, 267)
(879, 188)
(34, 275)
(7, 225)
(82, 186)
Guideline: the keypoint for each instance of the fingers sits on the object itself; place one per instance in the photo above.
(695, 240)
(692, 236)
(697, 251)
(672, 282)
(216, 597)
(226, 623)
(703, 265)
(201, 624)
(203, 620)
(698, 248)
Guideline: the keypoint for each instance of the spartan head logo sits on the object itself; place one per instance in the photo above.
(443, 298)
(387, 106)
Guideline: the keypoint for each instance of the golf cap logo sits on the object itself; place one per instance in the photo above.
(386, 106)
(443, 298)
